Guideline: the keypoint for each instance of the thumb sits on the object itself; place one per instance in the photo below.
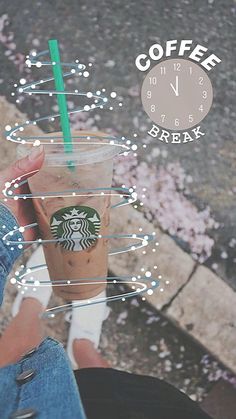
(23, 167)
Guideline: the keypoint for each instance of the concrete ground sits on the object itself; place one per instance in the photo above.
(111, 36)
(137, 336)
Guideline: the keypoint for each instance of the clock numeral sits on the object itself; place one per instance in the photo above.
(190, 70)
(149, 94)
(200, 81)
(190, 118)
(163, 70)
(153, 80)
(176, 122)
(177, 66)
(163, 118)
(153, 108)
(204, 94)
(200, 108)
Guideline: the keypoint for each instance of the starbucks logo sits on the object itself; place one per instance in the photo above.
(77, 225)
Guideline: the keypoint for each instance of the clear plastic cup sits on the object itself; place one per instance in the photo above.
(75, 221)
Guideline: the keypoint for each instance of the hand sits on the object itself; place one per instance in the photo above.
(22, 209)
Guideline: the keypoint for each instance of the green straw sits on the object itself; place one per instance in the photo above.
(61, 98)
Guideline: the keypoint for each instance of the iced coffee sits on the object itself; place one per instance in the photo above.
(76, 214)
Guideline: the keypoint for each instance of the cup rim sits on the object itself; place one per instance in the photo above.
(55, 154)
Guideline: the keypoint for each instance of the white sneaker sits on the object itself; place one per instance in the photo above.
(42, 293)
(86, 323)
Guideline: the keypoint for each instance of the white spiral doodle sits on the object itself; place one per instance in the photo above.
(83, 238)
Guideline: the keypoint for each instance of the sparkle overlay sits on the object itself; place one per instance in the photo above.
(139, 284)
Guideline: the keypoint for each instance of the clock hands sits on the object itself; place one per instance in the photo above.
(176, 87)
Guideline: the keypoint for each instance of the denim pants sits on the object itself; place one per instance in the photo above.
(41, 385)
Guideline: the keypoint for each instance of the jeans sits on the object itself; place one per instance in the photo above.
(42, 384)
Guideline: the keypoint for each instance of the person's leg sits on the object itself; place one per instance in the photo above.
(23, 333)
(84, 334)
(108, 393)
(87, 356)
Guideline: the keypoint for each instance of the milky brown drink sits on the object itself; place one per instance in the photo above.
(75, 221)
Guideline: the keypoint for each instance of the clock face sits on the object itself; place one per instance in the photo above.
(177, 94)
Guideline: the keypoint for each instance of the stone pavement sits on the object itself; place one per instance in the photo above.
(201, 303)
(206, 309)
(111, 35)
(157, 347)
(221, 401)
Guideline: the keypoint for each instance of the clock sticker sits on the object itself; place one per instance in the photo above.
(177, 94)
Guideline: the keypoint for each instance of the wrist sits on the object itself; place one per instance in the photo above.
(9, 252)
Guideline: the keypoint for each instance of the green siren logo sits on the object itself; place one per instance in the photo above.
(77, 225)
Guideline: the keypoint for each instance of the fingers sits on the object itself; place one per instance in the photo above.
(22, 168)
